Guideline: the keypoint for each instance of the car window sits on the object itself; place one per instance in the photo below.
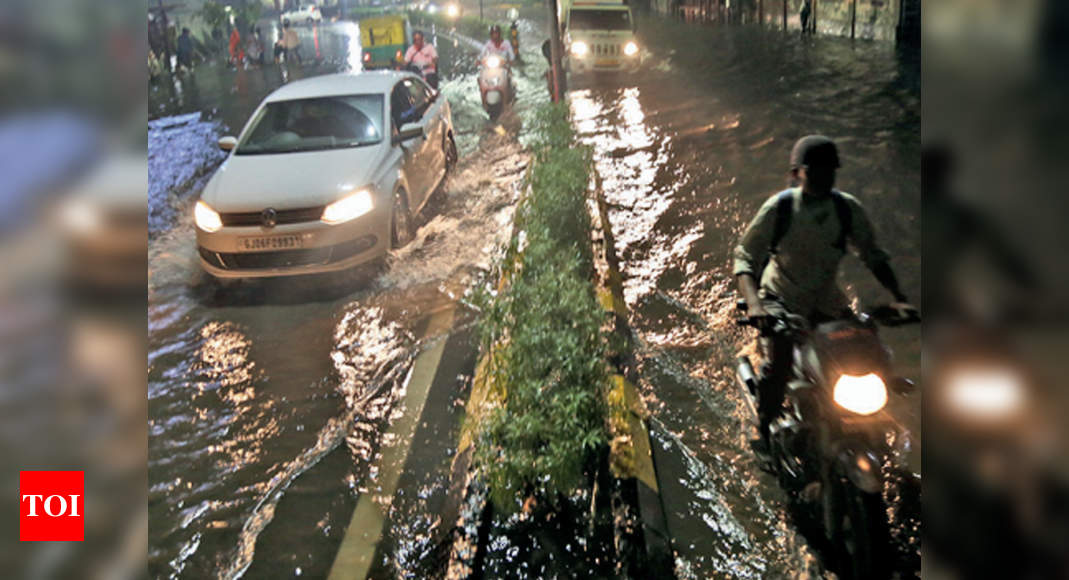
(600, 20)
(400, 103)
(418, 93)
(316, 123)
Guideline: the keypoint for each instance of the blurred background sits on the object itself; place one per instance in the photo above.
(996, 488)
(72, 293)
(995, 132)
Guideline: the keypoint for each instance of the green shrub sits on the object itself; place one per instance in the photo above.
(544, 332)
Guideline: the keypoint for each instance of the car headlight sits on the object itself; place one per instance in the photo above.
(493, 61)
(348, 208)
(452, 11)
(985, 393)
(206, 218)
(863, 395)
(580, 48)
(631, 49)
(81, 217)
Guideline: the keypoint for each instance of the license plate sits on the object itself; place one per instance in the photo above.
(271, 243)
(607, 62)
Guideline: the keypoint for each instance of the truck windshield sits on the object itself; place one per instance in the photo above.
(600, 20)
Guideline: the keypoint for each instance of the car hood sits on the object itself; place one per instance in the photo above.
(247, 183)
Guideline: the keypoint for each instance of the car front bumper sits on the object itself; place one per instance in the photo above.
(322, 248)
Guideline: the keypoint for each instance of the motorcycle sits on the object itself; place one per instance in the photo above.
(514, 39)
(835, 448)
(428, 74)
(495, 84)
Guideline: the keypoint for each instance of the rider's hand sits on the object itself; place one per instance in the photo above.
(759, 317)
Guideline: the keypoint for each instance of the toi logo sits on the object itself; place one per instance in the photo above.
(51, 506)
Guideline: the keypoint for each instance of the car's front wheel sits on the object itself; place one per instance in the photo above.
(310, 21)
(401, 222)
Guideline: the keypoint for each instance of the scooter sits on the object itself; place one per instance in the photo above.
(835, 449)
(495, 85)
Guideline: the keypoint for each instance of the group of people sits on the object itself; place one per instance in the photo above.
(251, 51)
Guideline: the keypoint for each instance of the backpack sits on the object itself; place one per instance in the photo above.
(785, 210)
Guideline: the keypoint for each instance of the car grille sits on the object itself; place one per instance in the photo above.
(287, 258)
(282, 216)
(607, 50)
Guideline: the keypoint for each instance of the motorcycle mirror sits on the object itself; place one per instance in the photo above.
(407, 133)
(903, 386)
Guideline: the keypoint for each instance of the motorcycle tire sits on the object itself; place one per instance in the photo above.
(863, 541)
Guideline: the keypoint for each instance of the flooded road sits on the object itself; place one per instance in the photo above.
(687, 150)
(268, 401)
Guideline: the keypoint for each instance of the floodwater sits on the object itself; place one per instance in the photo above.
(267, 401)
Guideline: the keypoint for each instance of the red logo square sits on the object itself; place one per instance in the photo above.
(51, 506)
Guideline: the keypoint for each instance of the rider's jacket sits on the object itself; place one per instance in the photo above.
(802, 271)
(504, 50)
(423, 58)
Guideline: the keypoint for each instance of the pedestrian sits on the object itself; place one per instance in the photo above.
(236, 52)
(290, 42)
(254, 47)
(807, 9)
(185, 50)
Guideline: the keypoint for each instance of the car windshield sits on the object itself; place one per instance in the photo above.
(600, 20)
(314, 124)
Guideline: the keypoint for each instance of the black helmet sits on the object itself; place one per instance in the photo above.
(495, 28)
(815, 150)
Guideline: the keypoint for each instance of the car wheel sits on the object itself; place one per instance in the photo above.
(401, 222)
(310, 22)
(450, 153)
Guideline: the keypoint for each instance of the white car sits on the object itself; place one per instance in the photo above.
(327, 174)
(307, 14)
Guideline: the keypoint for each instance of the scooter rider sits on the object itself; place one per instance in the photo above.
(424, 57)
(802, 233)
(497, 46)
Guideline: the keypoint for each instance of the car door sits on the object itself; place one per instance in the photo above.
(403, 113)
(433, 120)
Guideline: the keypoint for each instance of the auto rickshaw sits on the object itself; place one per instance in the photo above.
(384, 41)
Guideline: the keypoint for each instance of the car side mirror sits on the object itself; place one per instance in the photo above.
(407, 133)
(228, 143)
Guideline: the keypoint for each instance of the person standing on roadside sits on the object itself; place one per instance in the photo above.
(185, 50)
(236, 53)
(807, 9)
(254, 47)
(290, 42)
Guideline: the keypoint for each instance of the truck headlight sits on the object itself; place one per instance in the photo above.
(985, 393)
(630, 49)
(580, 48)
(206, 218)
(863, 395)
(348, 208)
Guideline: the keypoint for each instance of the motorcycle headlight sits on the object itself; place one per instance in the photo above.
(863, 395)
(206, 218)
(493, 61)
(631, 49)
(985, 393)
(348, 208)
(580, 48)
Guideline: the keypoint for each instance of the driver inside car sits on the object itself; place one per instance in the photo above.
(788, 259)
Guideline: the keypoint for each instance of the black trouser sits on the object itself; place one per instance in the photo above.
(778, 353)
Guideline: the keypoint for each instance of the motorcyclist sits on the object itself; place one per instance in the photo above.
(497, 46)
(802, 234)
(424, 57)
